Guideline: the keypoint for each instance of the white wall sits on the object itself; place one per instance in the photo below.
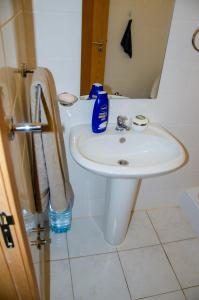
(58, 40)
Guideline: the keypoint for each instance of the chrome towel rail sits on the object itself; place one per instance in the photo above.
(27, 127)
(23, 127)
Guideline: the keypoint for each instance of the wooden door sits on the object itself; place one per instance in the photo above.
(17, 280)
(94, 37)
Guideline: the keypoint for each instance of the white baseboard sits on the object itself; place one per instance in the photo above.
(189, 203)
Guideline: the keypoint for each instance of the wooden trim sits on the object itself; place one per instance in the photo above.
(94, 30)
(6, 280)
(86, 46)
(19, 261)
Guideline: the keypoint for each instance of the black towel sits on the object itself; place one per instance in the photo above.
(126, 42)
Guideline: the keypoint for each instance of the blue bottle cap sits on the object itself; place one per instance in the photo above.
(102, 95)
(96, 88)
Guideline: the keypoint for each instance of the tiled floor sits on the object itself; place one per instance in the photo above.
(159, 260)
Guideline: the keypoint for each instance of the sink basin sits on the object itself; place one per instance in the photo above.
(124, 158)
(126, 154)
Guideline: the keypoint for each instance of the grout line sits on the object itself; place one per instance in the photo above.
(160, 243)
(136, 248)
(122, 250)
(147, 297)
(182, 240)
(108, 252)
(166, 255)
(58, 259)
(94, 254)
(176, 241)
(124, 275)
(70, 269)
(189, 287)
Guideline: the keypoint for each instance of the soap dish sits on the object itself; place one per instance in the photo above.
(67, 99)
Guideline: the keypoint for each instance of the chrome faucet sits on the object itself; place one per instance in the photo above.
(121, 123)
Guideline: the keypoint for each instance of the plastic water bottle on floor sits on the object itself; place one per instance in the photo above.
(29, 220)
(60, 221)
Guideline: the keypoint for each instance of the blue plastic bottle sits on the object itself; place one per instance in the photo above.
(96, 88)
(60, 221)
(100, 113)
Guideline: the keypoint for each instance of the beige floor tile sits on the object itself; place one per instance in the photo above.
(148, 272)
(171, 224)
(85, 238)
(60, 280)
(184, 257)
(192, 293)
(99, 277)
(169, 296)
(140, 232)
(57, 249)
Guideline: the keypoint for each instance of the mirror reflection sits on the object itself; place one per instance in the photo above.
(123, 45)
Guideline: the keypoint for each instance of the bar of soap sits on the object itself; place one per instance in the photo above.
(67, 99)
(140, 123)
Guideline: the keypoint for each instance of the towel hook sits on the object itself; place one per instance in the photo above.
(194, 39)
(130, 14)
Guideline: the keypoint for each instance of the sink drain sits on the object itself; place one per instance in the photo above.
(122, 140)
(123, 162)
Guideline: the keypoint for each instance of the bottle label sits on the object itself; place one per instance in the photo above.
(102, 125)
(102, 115)
(104, 107)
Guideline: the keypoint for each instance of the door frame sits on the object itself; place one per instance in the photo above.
(91, 51)
(17, 261)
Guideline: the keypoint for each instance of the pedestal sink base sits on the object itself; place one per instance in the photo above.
(121, 195)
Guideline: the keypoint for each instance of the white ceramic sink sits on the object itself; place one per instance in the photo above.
(124, 158)
(126, 154)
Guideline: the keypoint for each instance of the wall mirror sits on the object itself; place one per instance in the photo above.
(103, 59)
